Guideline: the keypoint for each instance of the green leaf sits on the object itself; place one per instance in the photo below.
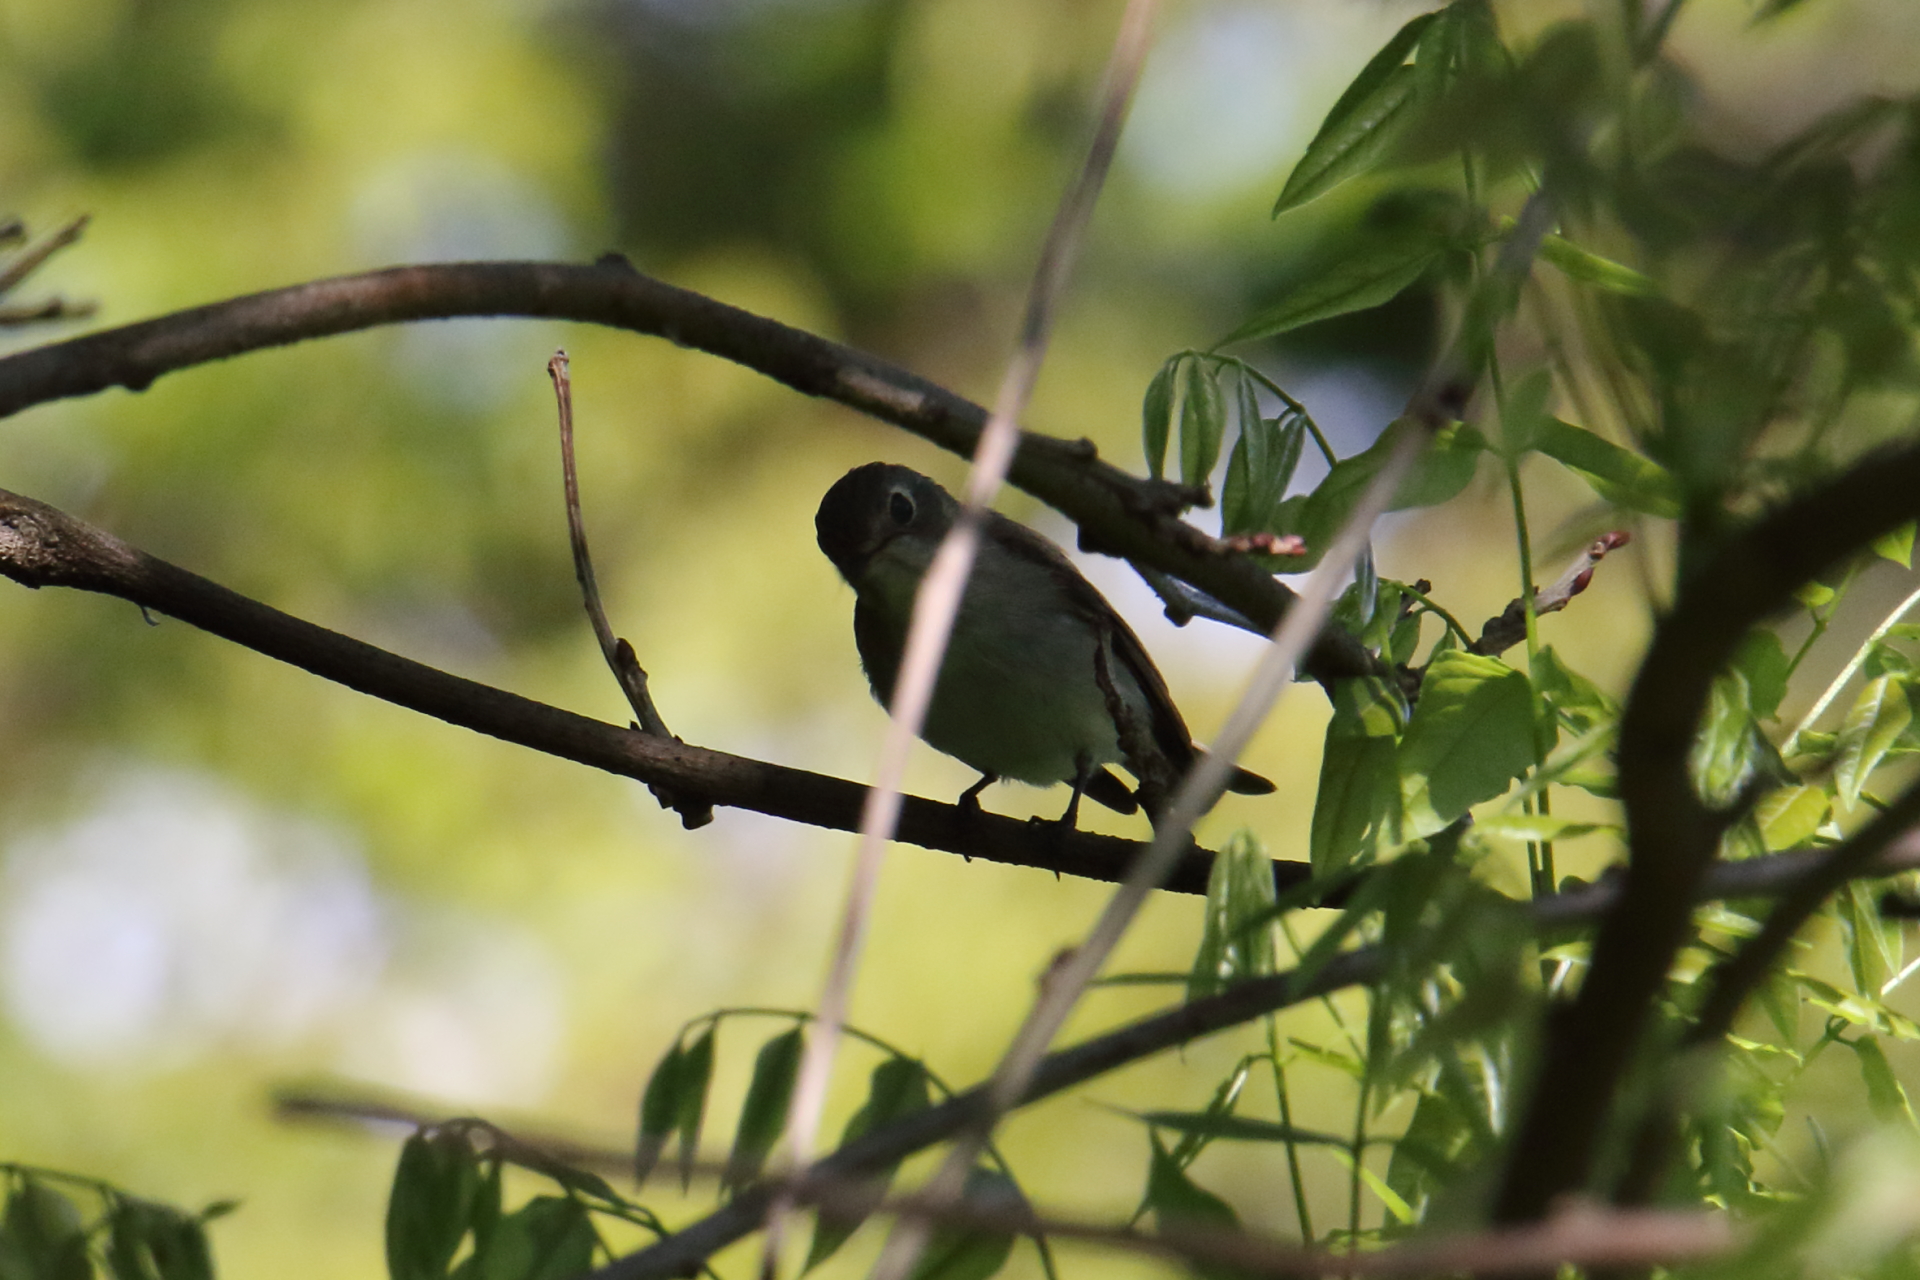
(1237, 940)
(1389, 1198)
(1885, 1094)
(1440, 473)
(897, 1089)
(1208, 1124)
(1621, 476)
(1203, 422)
(1362, 122)
(1763, 660)
(148, 1241)
(1896, 546)
(1577, 702)
(1370, 274)
(696, 1073)
(1790, 816)
(954, 1254)
(764, 1114)
(1357, 809)
(431, 1205)
(1156, 416)
(1873, 944)
(1470, 736)
(1177, 1200)
(1424, 1157)
(1586, 267)
(660, 1109)
(1260, 468)
(548, 1238)
(1523, 413)
(1724, 756)
(1537, 827)
(1874, 723)
(45, 1232)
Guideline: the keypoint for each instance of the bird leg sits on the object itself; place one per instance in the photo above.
(1082, 772)
(970, 798)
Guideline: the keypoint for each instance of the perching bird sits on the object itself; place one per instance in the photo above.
(1042, 682)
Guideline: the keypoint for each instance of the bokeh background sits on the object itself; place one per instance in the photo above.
(218, 874)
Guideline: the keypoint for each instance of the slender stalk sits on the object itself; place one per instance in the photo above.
(1846, 673)
(1300, 1208)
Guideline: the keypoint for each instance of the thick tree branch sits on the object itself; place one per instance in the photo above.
(41, 546)
(1673, 834)
(1117, 514)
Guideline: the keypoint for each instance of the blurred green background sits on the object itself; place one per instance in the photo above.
(221, 874)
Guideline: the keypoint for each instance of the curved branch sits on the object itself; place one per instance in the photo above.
(41, 546)
(1117, 514)
(1673, 834)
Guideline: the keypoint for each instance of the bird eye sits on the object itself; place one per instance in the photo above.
(900, 507)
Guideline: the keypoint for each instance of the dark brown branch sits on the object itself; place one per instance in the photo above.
(40, 546)
(1673, 834)
(1117, 514)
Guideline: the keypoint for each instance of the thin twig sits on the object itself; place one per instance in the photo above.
(694, 812)
(937, 603)
(32, 257)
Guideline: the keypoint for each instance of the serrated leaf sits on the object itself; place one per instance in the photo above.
(1619, 475)
(1471, 734)
(1156, 416)
(660, 1109)
(1361, 123)
(1203, 422)
(1236, 942)
(1208, 1124)
(1587, 267)
(1367, 276)
(764, 1113)
(1874, 723)
(696, 1073)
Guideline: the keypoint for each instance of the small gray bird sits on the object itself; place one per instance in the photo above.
(1042, 683)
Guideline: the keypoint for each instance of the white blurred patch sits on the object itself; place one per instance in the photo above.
(456, 205)
(175, 918)
(470, 1012)
(1219, 106)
